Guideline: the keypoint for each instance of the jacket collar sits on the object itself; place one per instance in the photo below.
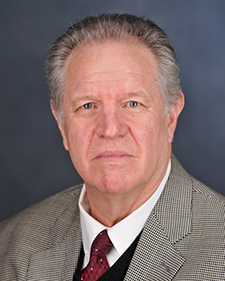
(60, 259)
(155, 257)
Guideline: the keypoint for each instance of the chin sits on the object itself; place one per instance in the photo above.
(115, 183)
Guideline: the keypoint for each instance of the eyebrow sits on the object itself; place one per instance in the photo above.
(140, 94)
(76, 100)
(81, 98)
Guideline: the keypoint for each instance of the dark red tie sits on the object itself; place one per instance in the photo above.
(98, 263)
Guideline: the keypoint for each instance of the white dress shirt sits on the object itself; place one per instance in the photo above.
(121, 234)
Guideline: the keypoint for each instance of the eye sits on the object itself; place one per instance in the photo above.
(133, 103)
(87, 105)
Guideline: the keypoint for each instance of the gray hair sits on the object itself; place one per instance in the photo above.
(117, 27)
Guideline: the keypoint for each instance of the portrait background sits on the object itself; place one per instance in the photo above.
(34, 164)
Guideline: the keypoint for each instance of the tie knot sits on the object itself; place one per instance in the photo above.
(101, 244)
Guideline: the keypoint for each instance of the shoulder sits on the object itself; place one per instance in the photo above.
(208, 207)
(179, 174)
(47, 209)
(33, 224)
(206, 202)
(204, 190)
(202, 246)
(35, 229)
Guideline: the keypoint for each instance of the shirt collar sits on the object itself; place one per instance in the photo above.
(131, 225)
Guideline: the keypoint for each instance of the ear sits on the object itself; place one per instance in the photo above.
(60, 126)
(173, 116)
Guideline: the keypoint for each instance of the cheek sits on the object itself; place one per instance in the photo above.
(79, 136)
(143, 134)
(152, 135)
(75, 138)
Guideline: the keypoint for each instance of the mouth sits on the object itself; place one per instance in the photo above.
(113, 156)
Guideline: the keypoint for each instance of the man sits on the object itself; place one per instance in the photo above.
(116, 96)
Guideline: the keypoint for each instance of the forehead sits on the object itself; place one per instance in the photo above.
(110, 63)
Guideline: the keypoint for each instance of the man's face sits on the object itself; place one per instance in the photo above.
(115, 129)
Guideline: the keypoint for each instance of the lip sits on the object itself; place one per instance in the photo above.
(113, 156)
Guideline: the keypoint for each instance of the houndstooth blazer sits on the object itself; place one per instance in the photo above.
(183, 238)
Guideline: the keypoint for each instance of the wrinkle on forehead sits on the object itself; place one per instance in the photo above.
(114, 64)
(113, 75)
(110, 56)
(134, 85)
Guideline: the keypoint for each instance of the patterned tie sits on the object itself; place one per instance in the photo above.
(98, 263)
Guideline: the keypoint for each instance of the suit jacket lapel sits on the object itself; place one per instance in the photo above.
(156, 257)
(58, 262)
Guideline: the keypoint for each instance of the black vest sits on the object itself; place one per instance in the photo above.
(118, 270)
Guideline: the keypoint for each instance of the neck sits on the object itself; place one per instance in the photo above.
(109, 209)
(114, 208)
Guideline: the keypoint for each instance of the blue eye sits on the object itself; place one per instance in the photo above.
(133, 103)
(87, 105)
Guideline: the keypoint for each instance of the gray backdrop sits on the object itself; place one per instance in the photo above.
(34, 164)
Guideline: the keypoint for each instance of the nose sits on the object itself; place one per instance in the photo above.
(111, 124)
